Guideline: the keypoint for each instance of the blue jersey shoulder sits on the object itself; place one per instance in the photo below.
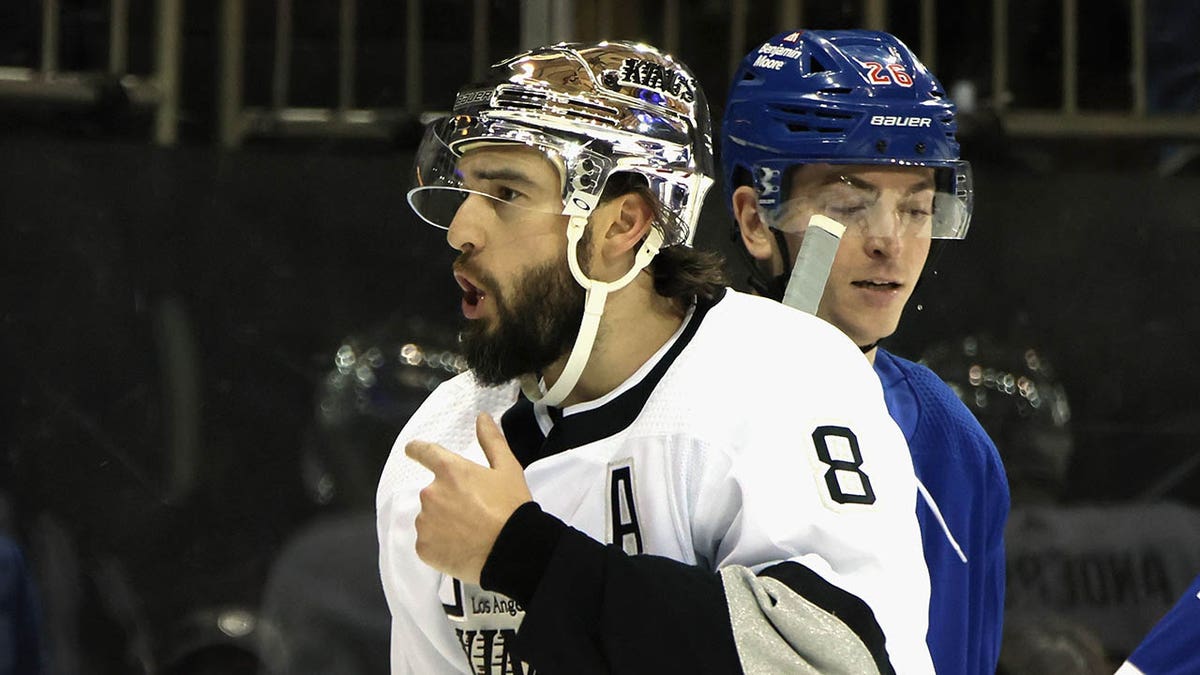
(932, 416)
(960, 467)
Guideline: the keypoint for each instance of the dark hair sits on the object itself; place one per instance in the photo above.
(681, 272)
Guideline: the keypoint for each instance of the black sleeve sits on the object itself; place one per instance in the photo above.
(591, 608)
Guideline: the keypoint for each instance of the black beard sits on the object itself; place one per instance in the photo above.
(533, 329)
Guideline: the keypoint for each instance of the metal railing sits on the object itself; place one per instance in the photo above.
(237, 121)
(160, 90)
(547, 20)
(1069, 119)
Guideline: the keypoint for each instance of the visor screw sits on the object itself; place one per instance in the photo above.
(920, 148)
(610, 79)
(881, 145)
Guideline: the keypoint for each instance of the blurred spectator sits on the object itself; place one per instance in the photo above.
(20, 629)
(323, 608)
(1045, 643)
(1018, 400)
(1107, 570)
(22, 647)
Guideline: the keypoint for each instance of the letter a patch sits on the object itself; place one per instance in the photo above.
(623, 528)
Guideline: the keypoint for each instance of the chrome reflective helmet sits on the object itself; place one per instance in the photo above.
(841, 97)
(593, 110)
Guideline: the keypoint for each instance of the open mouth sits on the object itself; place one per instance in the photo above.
(472, 295)
(873, 285)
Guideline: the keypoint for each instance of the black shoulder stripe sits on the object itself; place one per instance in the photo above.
(525, 436)
(522, 432)
(590, 426)
(848, 608)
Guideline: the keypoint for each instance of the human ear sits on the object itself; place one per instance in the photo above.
(755, 234)
(630, 222)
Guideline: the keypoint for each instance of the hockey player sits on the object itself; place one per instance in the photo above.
(850, 125)
(610, 488)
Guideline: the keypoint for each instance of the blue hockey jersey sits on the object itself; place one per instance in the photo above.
(960, 467)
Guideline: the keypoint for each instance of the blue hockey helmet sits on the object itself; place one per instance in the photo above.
(841, 97)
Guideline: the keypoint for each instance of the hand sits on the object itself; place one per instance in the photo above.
(466, 505)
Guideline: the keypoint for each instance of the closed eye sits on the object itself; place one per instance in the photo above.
(917, 208)
(848, 209)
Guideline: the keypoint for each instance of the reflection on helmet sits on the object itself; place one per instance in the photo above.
(841, 97)
(1018, 400)
(593, 109)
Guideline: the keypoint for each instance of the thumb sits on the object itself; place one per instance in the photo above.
(494, 445)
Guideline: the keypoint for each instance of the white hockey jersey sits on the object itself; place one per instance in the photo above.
(759, 513)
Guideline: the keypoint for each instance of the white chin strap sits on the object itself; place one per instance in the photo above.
(593, 309)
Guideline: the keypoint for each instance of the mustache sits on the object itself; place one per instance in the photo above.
(465, 264)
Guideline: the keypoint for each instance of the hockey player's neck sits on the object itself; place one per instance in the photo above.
(637, 322)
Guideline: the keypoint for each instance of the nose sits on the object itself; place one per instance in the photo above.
(465, 229)
(883, 238)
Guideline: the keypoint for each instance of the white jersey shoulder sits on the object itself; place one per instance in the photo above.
(768, 353)
(447, 417)
(815, 461)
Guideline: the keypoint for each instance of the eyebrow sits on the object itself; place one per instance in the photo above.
(859, 183)
(501, 173)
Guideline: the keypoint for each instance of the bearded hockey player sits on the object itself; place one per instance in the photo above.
(622, 481)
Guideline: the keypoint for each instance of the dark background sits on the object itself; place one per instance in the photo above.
(257, 263)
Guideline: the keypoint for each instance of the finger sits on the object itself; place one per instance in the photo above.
(429, 455)
(495, 446)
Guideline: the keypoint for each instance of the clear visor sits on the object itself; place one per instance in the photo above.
(438, 205)
(462, 158)
(920, 209)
